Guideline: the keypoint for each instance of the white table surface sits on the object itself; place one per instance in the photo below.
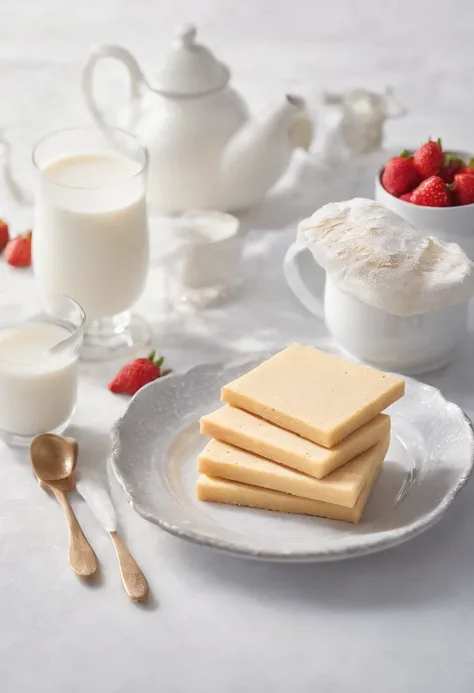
(397, 621)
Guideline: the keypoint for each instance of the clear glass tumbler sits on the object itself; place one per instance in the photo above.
(90, 238)
(40, 340)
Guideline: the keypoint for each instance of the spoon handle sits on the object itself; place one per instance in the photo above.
(133, 580)
(82, 558)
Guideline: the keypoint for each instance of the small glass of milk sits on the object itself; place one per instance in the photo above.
(90, 238)
(39, 347)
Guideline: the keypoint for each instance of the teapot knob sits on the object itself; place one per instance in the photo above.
(186, 33)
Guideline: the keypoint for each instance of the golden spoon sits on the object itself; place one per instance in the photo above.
(53, 459)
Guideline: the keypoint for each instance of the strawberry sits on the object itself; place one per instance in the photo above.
(136, 374)
(4, 235)
(432, 192)
(428, 159)
(406, 197)
(400, 175)
(452, 164)
(18, 250)
(469, 168)
(463, 190)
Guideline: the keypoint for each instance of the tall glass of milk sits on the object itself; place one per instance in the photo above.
(40, 341)
(90, 238)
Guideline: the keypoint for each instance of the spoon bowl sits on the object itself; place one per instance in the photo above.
(53, 457)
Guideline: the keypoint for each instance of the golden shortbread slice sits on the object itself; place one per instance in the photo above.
(218, 490)
(319, 396)
(342, 487)
(249, 432)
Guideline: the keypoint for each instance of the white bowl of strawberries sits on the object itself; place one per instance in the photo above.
(433, 190)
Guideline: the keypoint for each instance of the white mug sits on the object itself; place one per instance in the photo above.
(411, 345)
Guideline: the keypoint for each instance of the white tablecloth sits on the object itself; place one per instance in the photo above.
(397, 621)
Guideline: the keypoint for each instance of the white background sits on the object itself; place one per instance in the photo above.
(399, 621)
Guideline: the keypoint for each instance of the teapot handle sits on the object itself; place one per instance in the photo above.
(291, 271)
(136, 78)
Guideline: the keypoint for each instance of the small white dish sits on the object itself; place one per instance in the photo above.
(157, 440)
(203, 265)
(454, 224)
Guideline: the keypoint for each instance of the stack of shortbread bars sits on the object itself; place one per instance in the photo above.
(301, 433)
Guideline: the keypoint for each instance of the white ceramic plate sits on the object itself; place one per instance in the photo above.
(157, 440)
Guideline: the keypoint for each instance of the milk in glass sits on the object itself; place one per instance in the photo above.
(90, 238)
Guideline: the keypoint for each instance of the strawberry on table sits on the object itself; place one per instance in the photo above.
(136, 374)
(400, 175)
(4, 235)
(463, 189)
(18, 250)
(428, 159)
(432, 192)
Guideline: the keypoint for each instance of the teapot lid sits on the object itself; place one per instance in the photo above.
(189, 69)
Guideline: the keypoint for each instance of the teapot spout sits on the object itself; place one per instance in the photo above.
(258, 154)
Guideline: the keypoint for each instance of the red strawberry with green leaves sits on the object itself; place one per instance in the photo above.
(452, 164)
(429, 158)
(463, 189)
(469, 168)
(136, 374)
(432, 192)
(4, 235)
(18, 250)
(400, 175)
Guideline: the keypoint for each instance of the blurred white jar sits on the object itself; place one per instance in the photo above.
(204, 265)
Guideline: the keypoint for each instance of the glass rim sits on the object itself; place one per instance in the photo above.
(74, 336)
(91, 129)
(230, 224)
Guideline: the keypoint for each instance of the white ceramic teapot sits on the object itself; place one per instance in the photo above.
(205, 152)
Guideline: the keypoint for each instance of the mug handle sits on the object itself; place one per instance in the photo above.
(136, 78)
(315, 304)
